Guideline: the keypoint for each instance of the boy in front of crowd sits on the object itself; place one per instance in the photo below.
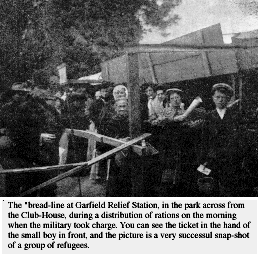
(221, 151)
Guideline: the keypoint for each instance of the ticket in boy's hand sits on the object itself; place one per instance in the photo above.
(203, 169)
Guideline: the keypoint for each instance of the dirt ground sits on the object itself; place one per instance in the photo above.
(69, 187)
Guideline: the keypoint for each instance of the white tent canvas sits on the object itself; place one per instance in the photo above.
(93, 77)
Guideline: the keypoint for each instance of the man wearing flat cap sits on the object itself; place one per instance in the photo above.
(221, 152)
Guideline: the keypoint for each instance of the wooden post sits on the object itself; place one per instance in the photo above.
(133, 94)
(233, 85)
(239, 80)
(151, 68)
(2, 183)
(205, 59)
(105, 71)
(240, 89)
(206, 65)
(133, 82)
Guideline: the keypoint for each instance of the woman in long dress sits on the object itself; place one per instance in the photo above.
(170, 140)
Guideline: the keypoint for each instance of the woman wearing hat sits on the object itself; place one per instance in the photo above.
(220, 151)
(171, 137)
(174, 107)
(120, 91)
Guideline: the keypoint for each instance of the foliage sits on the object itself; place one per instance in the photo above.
(38, 35)
(247, 6)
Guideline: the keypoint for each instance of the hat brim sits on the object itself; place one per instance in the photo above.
(223, 86)
(174, 90)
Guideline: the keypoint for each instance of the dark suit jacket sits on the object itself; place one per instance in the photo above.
(220, 137)
(95, 110)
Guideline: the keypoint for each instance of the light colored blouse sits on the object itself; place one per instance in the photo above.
(157, 109)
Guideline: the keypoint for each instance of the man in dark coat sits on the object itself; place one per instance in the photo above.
(100, 113)
(49, 142)
(23, 119)
(75, 118)
(97, 106)
(221, 151)
(120, 171)
(53, 129)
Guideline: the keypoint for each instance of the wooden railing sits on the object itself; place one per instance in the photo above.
(77, 167)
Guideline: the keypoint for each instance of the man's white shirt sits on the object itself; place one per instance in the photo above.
(221, 112)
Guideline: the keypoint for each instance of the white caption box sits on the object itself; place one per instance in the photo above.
(136, 226)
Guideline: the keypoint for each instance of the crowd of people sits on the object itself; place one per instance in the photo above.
(183, 139)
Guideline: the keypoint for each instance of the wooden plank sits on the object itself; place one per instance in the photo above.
(63, 148)
(85, 81)
(240, 90)
(147, 48)
(88, 164)
(86, 134)
(92, 144)
(223, 62)
(185, 69)
(212, 63)
(53, 168)
(151, 68)
(233, 85)
(104, 139)
(116, 142)
(206, 65)
(165, 58)
(133, 95)
(133, 84)
(205, 58)
(105, 71)
(247, 58)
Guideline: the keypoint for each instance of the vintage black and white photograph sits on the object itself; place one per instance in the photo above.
(129, 98)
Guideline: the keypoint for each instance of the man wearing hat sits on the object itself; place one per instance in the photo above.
(74, 117)
(97, 112)
(123, 171)
(23, 119)
(220, 151)
(17, 93)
